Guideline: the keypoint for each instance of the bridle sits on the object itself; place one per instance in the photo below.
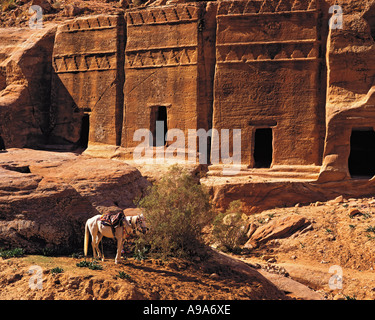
(136, 224)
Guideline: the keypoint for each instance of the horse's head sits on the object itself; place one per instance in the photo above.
(139, 223)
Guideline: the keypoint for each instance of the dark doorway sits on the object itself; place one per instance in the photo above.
(362, 153)
(162, 124)
(2, 144)
(85, 128)
(263, 148)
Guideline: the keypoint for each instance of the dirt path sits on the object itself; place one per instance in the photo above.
(340, 241)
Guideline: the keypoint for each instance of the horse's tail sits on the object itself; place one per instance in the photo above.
(86, 242)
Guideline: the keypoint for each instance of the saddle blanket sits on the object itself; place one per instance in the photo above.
(112, 219)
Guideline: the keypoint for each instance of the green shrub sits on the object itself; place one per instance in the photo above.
(140, 251)
(57, 270)
(123, 275)
(93, 265)
(229, 228)
(48, 252)
(12, 253)
(176, 209)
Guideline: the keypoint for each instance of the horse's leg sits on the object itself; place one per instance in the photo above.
(94, 235)
(119, 244)
(97, 251)
(101, 254)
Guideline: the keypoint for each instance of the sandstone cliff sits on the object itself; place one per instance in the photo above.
(46, 197)
(25, 85)
(350, 85)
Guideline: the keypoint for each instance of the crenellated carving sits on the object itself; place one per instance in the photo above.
(161, 57)
(85, 62)
(164, 15)
(268, 51)
(265, 6)
(93, 23)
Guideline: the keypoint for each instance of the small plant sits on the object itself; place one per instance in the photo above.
(76, 255)
(140, 254)
(366, 215)
(57, 270)
(350, 297)
(12, 253)
(328, 230)
(352, 226)
(48, 252)
(123, 275)
(93, 265)
(261, 220)
(229, 228)
(370, 229)
(176, 208)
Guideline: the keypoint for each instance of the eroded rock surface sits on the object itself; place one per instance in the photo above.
(46, 197)
(25, 85)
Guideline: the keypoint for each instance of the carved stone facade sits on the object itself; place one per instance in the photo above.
(88, 80)
(301, 94)
(169, 67)
(223, 65)
(268, 56)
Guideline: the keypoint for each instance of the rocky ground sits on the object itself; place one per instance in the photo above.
(132, 279)
(47, 196)
(15, 13)
(341, 235)
(292, 252)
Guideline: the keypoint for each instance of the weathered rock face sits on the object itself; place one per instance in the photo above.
(46, 197)
(277, 229)
(169, 69)
(268, 77)
(350, 88)
(269, 68)
(254, 65)
(25, 77)
(257, 195)
(87, 99)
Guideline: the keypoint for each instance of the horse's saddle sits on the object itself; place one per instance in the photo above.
(113, 220)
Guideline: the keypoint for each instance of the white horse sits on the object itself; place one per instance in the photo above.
(97, 230)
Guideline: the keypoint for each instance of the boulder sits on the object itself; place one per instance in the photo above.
(253, 226)
(72, 10)
(276, 229)
(44, 4)
(46, 197)
(354, 212)
(25, 77)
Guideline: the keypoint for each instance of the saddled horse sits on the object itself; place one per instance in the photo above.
(130, 225)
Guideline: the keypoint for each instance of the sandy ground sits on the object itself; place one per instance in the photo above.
(337, 244)
(148, 279)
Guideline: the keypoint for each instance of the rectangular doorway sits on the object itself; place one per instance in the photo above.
(362, 153)
(159, 125)
(85, 129)
(263, 148)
